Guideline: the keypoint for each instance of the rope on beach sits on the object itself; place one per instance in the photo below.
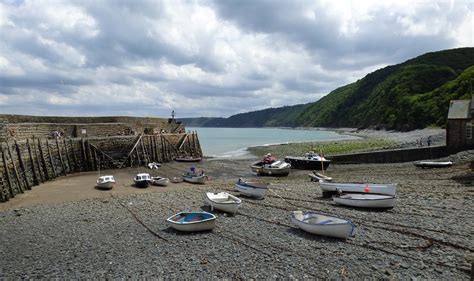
(139, 220)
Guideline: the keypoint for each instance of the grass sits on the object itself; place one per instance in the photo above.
(327, 148)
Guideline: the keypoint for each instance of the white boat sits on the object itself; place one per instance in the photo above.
(323, 224)
(192, 221)
(142, 180)
(105, 182)
(318, 176)
(176, 179)
(251, 189)
(192, 178)
(223, 201)
(154, 165)
(160, 181)
(386, 189)
(433, 164)
(269, 166)
(365, 200)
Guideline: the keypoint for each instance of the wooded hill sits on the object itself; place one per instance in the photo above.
(411, 95)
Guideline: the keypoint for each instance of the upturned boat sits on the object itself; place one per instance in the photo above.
(314, 176)
(192, 221)
(251, 189)
(386, 189)
(270, 166)
(323, 224)
(105, 182)
(433, 164)
(223, 201)
(160, 181)
(310, 161)
(142, 180)
(365, 200)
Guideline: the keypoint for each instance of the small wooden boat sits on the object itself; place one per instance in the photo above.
(193, 178)
(365, 200)
(160, 181)
(269, 166)
(223, 201)
(433, 164)
(318, 177)
(310, 161)
(142, 180)
(251, 189)
(187, 159)
(105, 182)
(323, 224)
(192, 221)
(387, 189)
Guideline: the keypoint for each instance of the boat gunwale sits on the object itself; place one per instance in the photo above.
(213, 217)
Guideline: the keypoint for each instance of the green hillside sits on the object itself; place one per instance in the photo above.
(411, 95)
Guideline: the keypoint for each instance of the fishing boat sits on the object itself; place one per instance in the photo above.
(314, 176)
(310, 161)
(386, 189)
(105, 182)
(433, 164)
(251, 189)
(142, 180)
(365, 200)
(187, 159)
(323, 224)
(270, 166)
(160, 181)
(192, 221)
(193, 178)
(223, 201)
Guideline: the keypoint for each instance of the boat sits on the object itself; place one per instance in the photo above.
(160, 181)
(105, 182)
(386, 189)
(176, 179)
(323, 224)
(154, 165)
(270, 166)
(251, 189)
(223, 201)
(187, 159)
(142, 180)
(192, 221)
(314, 176)
(365, 200)
(193, 178)
(433, 164)
(310, 161)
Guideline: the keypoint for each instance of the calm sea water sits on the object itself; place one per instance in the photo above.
(233, 142)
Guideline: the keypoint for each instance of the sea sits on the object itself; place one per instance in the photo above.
(233, 142)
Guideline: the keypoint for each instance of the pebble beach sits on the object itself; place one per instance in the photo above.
(68, 229)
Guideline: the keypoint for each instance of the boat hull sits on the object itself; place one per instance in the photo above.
(307, 164)
(366, 200)
(386, 189)
(223, 201)
(195, 179)
(251, 189)
(192, 221)
(268, 170)
(160, 181)
(188, 159)
(105, 185)
(319, 177)
(323, 224)
(142, 183)
(433, 164)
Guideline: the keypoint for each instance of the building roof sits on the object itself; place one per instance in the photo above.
(459, 109)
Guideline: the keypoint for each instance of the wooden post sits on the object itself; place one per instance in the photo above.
(38, 164)
(22, 166)
(17, 175)
(97, 162)
(89, 156)
(63, 167)
(43, 161)
(9, 180)
(85, 163)
(76, 165)
(69, 165)
(32, 162)
(51, 159)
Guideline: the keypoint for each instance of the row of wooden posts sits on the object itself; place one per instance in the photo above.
(30, 162)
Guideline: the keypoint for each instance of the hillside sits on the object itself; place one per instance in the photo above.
(411, 95)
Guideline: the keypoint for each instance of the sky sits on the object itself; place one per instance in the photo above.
(207, 58)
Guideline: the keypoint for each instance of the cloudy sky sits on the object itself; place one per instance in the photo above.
(207, 58)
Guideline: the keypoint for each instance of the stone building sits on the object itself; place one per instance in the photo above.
(459, 129)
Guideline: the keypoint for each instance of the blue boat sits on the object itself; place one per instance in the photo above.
(192, 221)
